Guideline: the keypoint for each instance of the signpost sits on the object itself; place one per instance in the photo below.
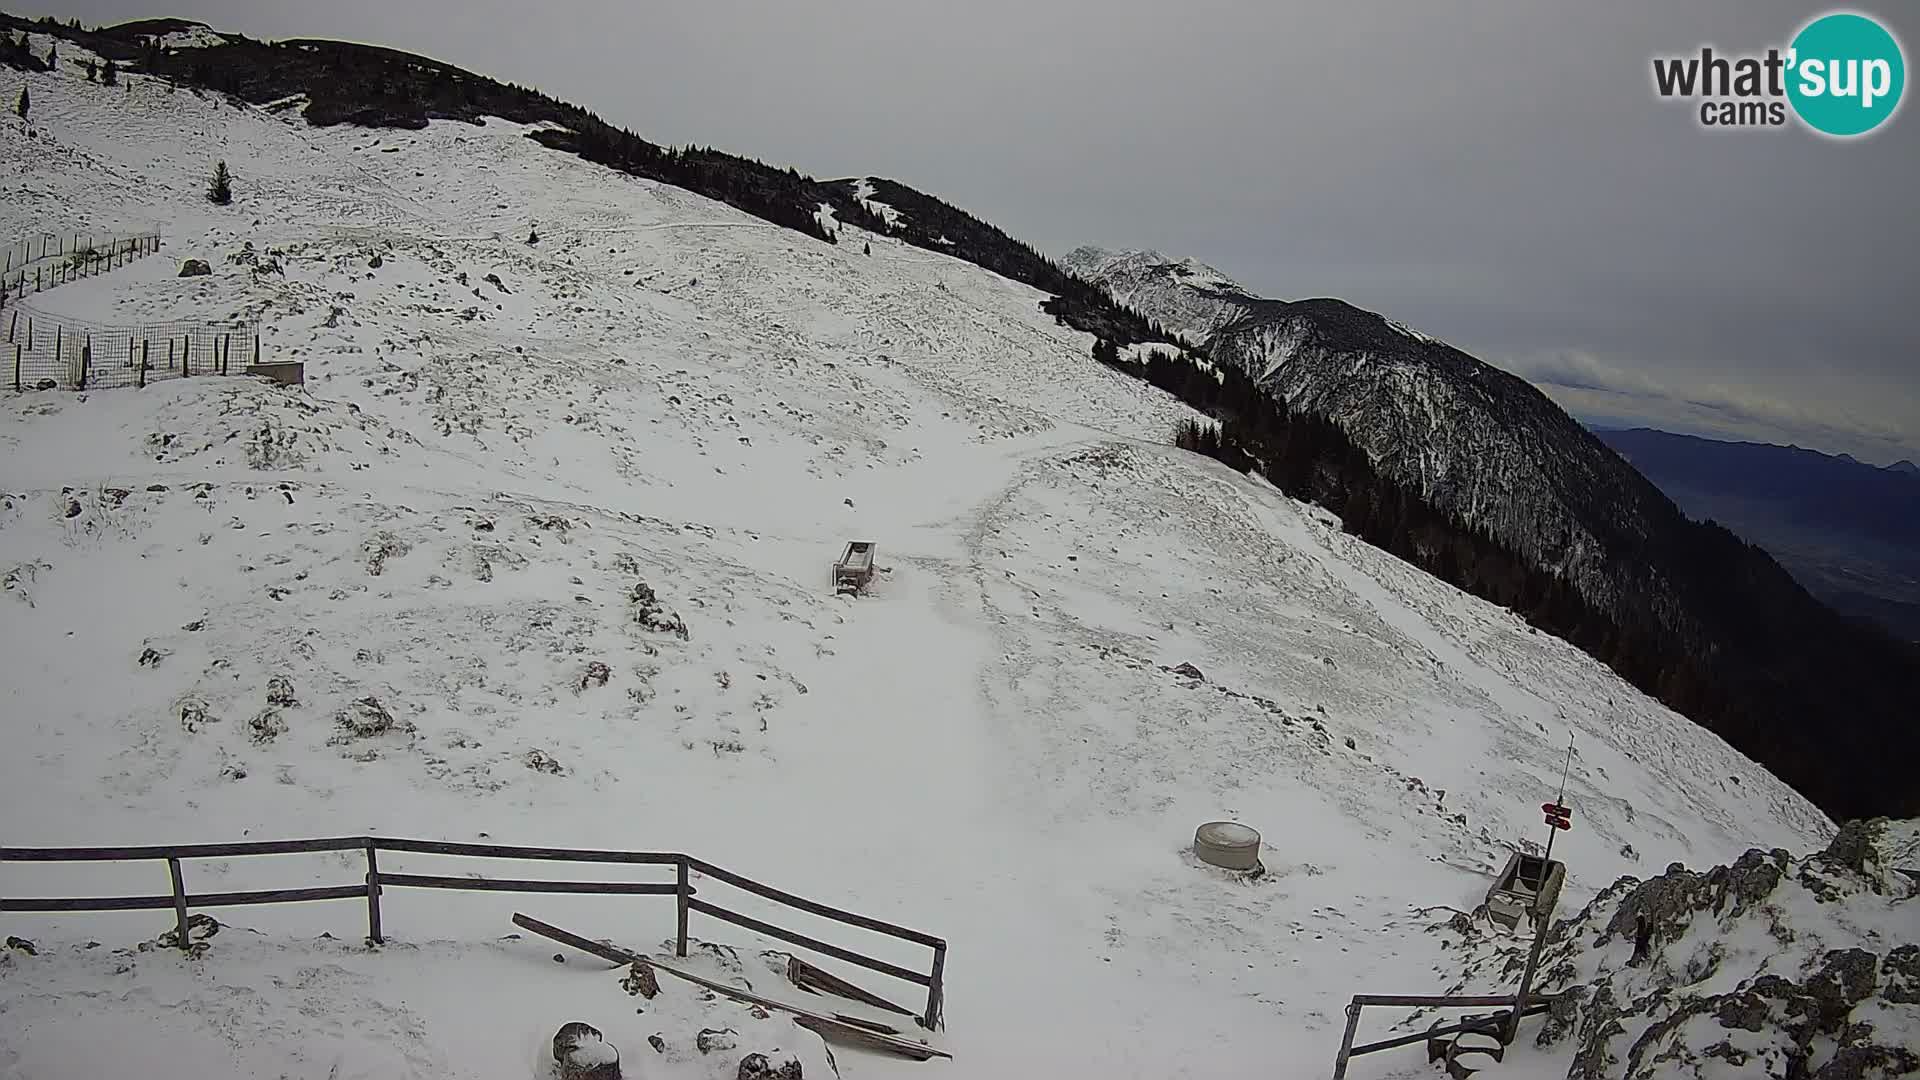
(1559, 818)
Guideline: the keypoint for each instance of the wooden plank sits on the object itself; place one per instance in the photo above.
(87, 903)
(810, 906)
(824, 1026)
(277, 896)
(179, 851)
(430, 881)
(1464, 1001)
(819, 981)
(179, 901)
(502, 851)
(815, 944)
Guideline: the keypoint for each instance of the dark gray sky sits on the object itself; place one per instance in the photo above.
(1498, 175)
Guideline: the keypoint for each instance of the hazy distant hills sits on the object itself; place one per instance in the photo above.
(1849, 531)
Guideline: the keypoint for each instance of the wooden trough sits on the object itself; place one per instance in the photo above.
(855, 568)
(1528, 887)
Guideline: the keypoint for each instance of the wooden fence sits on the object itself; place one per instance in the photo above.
(370, 888)
(1518, 1005)
(28, 266)
(46, 352)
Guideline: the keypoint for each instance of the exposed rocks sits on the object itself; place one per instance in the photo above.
(541, 761)
(200, 927)
(597, 674)
(266, 726)
(647, 611)
(194, 713)
(1694, 975)
(150, 657)
(640, 980)
(1188, 671)
(1900, 975)
(380, 547)
(711, 1040)
(22, 945)
(195, 268)
(280, 692)
(757, 1067)
(364, 719)
(581, 1053)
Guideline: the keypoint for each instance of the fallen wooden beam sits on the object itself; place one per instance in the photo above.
(844, 1030)
(817, 981)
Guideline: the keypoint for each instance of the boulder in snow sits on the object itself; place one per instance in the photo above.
(582, 1053)
(364, 718)
(195, 268)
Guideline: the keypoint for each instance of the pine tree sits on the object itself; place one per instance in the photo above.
(23, 104)
(220, 191)
(110, 74)
(93, 71)
(53, 59)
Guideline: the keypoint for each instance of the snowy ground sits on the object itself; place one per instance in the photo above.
(452, 516)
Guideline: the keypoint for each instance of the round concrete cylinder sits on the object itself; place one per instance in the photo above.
(1227, 844)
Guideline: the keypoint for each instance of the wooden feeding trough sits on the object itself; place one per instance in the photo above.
(1528, 885)
(855, 568)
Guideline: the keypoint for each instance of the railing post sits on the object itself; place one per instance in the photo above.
(143, 360)
(16, 368)
(179, 902)
(680, 942)
(1346, 1041)
(374, 936)
(936, 991)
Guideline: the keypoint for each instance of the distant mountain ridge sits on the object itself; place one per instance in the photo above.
(1848, 531)
(1709, 623)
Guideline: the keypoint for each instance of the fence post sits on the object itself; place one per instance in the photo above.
(226, 351)
(936, 991)
(16, 368)
(186, 355)
(374, 936)
(680, 942)
(169, 353)
(86, 360)
(1346, 1041)
(179, 902)
(256, 343)
(143, 360)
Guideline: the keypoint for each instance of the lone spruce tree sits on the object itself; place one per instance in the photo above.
(220, 191)
(25, 103)
(109, 73)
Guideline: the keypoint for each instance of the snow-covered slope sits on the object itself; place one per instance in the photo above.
(207, 578)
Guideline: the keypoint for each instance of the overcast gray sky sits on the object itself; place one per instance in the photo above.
(1498, 175)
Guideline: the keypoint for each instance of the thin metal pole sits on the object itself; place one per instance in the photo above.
(179, 902)
(1346, 1041)
(1535, 915)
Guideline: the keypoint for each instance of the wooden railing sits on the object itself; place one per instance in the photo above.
(1440, 1001)
(680, 888)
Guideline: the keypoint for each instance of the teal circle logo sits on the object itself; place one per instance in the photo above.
(1846, 74)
